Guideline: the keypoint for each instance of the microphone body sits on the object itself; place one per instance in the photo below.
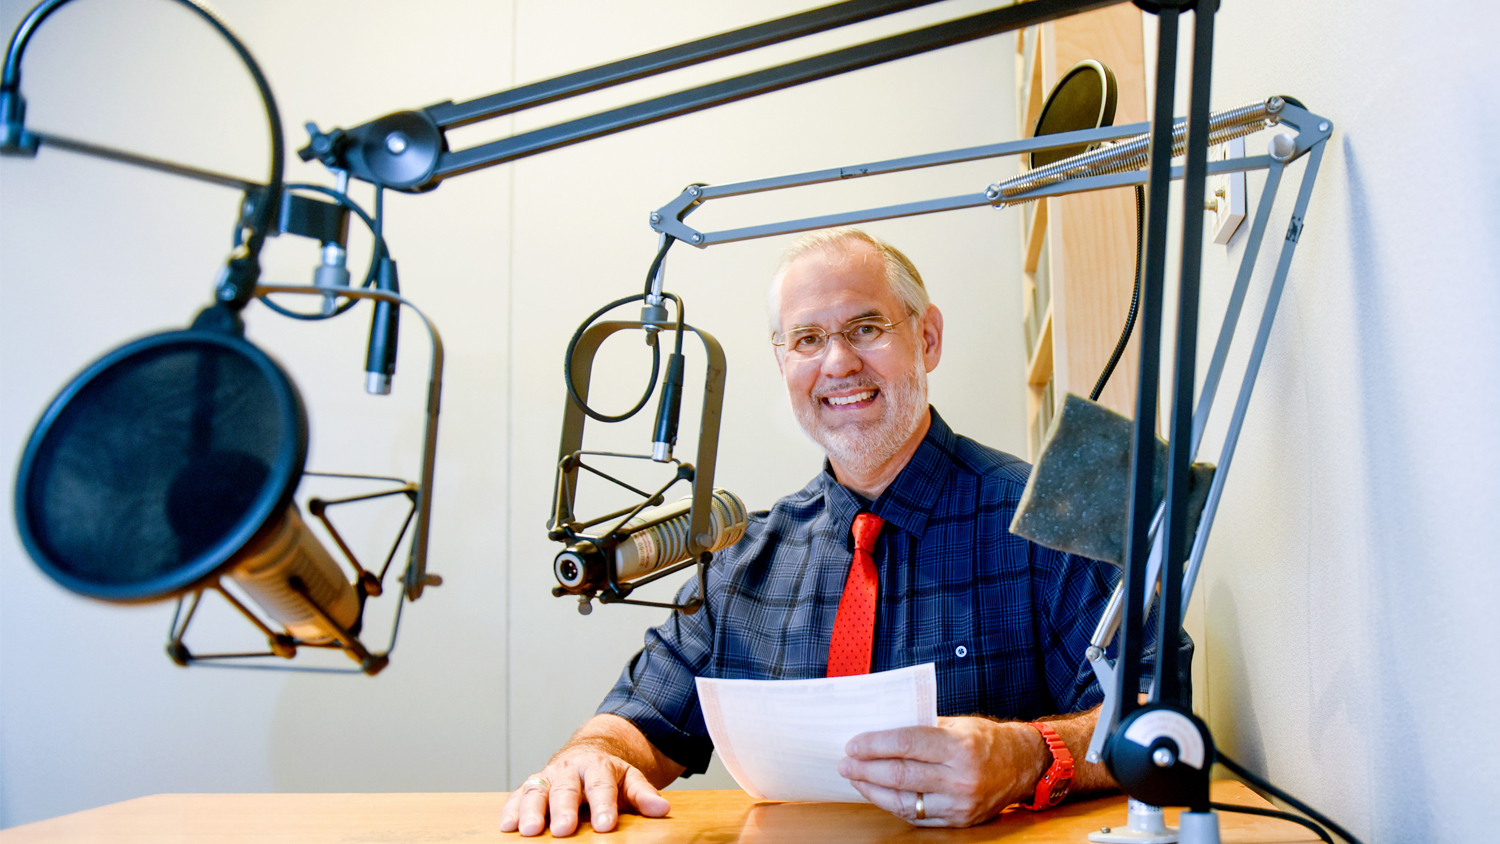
(288, 552)
(654, 540)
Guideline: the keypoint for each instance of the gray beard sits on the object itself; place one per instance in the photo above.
(863, 449)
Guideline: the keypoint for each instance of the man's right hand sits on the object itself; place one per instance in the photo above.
(590, 770)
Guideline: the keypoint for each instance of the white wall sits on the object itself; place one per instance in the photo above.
(94, 254)
(492, 673)
(1348, 630)
(1349, 589)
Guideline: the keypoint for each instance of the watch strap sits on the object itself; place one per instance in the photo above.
(1058, 779)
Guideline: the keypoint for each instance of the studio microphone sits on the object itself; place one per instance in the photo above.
(650, 542)
(283, 567)
(295, 580)
(167, 469)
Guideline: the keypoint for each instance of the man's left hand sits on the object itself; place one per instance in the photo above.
(964, 770)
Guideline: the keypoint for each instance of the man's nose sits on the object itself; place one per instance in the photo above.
(841, 360)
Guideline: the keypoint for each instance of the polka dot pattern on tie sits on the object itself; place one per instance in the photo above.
(853, 637)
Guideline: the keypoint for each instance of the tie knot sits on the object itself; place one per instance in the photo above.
(866, 529)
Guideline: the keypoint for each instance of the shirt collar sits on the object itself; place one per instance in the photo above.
(907, 503)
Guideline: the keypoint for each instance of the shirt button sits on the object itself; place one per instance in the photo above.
(961, 651)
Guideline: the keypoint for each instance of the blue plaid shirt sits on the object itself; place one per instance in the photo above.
(1005, 621)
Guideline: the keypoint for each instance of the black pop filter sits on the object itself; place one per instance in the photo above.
(158, 463)
(1083, 99)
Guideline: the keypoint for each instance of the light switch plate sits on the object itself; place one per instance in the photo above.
(1226, 193)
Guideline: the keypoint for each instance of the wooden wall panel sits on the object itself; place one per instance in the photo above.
(1094, 235)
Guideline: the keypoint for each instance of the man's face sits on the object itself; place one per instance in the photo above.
(864, 408)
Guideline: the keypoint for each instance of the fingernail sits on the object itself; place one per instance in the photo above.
(844, 767)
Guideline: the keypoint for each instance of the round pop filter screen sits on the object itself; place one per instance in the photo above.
(158, 463)
(1083, 99)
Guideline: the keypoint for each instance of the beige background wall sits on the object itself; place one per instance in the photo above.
(492, 673)
(1348, 631)
(1350, 586)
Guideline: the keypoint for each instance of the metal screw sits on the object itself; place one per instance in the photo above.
(991, 192)
(1093, 653)
(694, 191)
(1275, 104)
(1104, 829)
(1163, 758)
(697, 238)
(1324, 126)
(1282, 147)
(396, 143)
(655, 217)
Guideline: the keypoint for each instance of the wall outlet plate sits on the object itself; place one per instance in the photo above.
(1226, 192)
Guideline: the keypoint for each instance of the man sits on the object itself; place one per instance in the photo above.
(1006, 622)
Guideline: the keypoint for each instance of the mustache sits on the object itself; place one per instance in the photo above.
(843, 384)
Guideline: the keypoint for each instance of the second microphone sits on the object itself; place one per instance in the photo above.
(652, 541)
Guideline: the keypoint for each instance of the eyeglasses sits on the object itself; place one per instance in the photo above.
(863, 335)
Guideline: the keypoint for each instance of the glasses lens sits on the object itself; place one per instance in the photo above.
(862, 335)
(869, 334)
(806, 342)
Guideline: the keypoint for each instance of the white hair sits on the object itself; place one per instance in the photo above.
(900, 273)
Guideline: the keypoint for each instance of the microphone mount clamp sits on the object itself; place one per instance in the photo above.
(565, 527)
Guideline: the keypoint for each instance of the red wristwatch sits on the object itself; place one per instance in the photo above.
(1054, 785)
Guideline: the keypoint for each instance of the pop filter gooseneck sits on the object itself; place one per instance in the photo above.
(237, 282)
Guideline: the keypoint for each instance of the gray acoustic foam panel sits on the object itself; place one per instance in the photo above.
(1077, 499)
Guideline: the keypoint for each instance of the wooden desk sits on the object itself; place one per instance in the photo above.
(706, 817)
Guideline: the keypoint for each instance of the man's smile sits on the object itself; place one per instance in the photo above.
(861, 399)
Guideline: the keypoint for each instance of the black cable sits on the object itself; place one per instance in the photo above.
(656, 264)
(655, 361)
(380, 213)
(1135, 298)
(661, 255)
(265, 215)
(1273, 813)
(681, 325)
(378, 251)
(1251, 779)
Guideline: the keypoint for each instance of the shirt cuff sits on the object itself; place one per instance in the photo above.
(690, 750)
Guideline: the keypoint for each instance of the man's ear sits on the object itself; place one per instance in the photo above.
(932, 336)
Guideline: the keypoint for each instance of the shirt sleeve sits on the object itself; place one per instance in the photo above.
(657, 691)
(1074, 597)
(1073, 592)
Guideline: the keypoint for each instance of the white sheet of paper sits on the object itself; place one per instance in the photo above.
(783, 739)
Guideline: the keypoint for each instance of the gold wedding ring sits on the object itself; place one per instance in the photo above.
(921, 808)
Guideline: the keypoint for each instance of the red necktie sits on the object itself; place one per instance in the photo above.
(854, 627)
